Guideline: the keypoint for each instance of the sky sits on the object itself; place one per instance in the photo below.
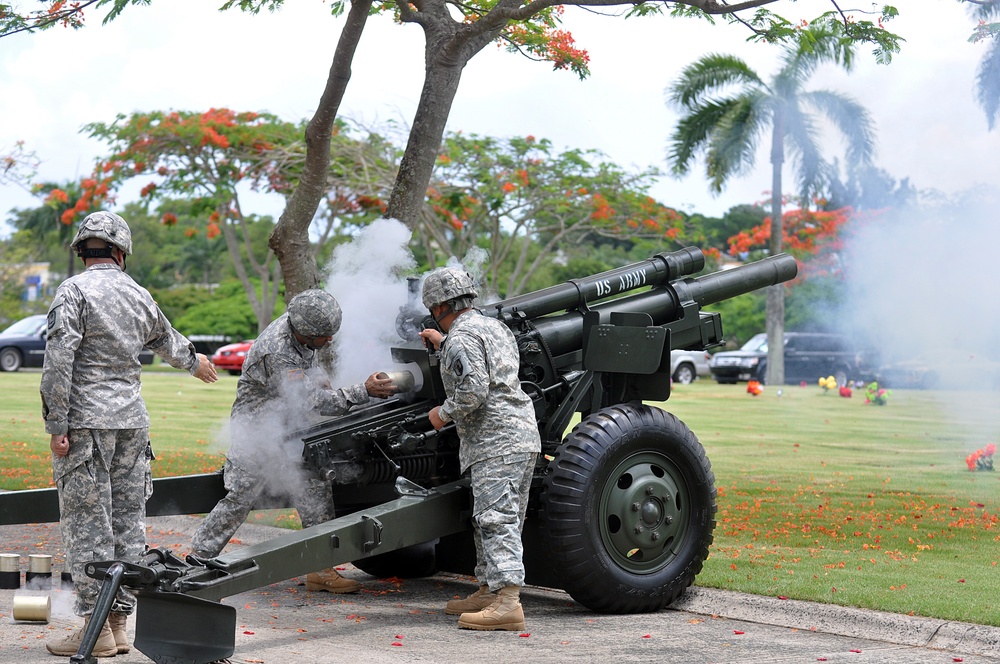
(185, 55)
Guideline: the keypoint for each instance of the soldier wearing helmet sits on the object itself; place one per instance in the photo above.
(280, 388)
(100, 234)
(98, 322)
(495, 420)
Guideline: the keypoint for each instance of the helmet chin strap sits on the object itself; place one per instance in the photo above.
(448, 312)
(104, 252)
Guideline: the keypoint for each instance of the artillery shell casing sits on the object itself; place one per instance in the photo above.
(10, 571)
(34, 608)
(403, 380)
(40, 563)
(39, 574)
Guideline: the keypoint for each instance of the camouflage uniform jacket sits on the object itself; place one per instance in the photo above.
(281, 380)
(493, 415)
(98, 322)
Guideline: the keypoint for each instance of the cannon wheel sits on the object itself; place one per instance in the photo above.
(628, 506)
(411, 562)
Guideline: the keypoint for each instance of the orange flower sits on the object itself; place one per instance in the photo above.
(169, 219)
(57, 196)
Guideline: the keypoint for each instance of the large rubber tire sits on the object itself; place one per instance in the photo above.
(625, 469)
(411, 562)
(10, 359)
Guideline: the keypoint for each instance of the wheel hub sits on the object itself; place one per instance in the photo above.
(642, 522)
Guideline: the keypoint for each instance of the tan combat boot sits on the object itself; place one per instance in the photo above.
(504, 613)
(117, 623)
(332, 582)
(68, 646)
(477, 601)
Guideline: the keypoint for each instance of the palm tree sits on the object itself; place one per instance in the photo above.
(988, 77)
(727, 129)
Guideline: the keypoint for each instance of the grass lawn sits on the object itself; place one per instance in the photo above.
(821, 498)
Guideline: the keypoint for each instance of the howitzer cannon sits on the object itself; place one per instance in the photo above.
(622, 508)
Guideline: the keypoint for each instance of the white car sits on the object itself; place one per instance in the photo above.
(687, 365)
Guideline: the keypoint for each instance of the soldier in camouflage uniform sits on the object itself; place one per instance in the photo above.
(280, 388)
(495, 420)
(98, 322)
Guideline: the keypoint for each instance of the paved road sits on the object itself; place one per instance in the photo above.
(403, 621)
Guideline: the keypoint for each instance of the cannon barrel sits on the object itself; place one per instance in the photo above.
(576, 293)
(563, 333)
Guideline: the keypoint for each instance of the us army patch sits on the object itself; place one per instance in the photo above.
(295, 375)
(52, 319)
(459, 366)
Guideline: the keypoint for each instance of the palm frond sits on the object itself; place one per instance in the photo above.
(733, 143)
(711, 74)
(988, 10)
(988, 84)
(850, 118)
(693, 131)
(804, 145)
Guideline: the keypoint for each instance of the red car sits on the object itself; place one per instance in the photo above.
(231, 356)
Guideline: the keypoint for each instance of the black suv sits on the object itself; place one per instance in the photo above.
(809, 356)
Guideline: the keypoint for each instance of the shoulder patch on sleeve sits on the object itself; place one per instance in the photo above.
(295, 375)
(459, 365)
(53, 319)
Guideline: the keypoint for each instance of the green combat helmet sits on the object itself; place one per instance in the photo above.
(314, 313)
(106, 226)
(447, 284)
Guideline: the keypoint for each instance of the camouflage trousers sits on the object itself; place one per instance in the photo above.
(103, 484)
(500, 498)
(312, 497)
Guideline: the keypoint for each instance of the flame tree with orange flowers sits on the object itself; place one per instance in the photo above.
(454, 33)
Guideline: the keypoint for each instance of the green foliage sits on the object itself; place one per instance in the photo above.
(225, 312)
(742, 317)
(522, 201)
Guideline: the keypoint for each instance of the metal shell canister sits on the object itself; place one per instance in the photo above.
(33, 608)
(39, 574)
(10, 571)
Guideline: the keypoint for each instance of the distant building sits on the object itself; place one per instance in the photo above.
(34, 278)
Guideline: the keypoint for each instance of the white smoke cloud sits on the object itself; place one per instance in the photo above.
(368, 278)
(922, 286)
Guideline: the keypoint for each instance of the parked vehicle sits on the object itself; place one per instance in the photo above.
(231, 356)
(23, 345)
(686, 366)
(942, 369)
(809, 356)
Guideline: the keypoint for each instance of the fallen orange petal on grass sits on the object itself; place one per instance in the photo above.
(782, 597)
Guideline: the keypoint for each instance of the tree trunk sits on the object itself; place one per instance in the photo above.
(775, 301)
(416, 166)
(290, 238)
